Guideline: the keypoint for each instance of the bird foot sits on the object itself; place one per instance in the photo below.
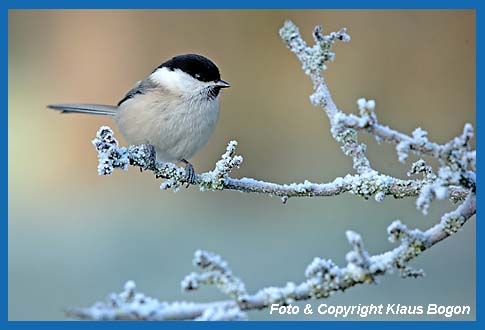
(190, 175)
(152, 154)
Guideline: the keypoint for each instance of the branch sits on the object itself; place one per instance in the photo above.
(455, 179)
(372, 183)
(367, 183)
(323, 278)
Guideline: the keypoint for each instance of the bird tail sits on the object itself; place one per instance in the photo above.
(93, 109)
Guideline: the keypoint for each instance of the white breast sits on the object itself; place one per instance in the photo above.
(178, 127)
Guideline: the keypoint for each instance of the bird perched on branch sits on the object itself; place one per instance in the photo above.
(174, 109)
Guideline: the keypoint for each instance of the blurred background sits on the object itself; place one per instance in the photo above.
(74, 236)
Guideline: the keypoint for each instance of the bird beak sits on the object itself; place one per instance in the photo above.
(222, 84)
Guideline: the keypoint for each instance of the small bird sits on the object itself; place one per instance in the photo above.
(174, 109)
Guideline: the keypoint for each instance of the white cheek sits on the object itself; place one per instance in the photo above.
(178, 82)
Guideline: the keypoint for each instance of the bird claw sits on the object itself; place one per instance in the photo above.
(190, 175)
(152, 153)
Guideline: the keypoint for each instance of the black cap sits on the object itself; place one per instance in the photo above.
(198, 66)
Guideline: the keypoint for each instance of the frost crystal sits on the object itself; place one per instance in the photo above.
(380, 196)
(455, 179)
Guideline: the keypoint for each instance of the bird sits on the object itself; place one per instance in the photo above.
(174, 110)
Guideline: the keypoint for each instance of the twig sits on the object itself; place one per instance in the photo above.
(455, 179)
(323, 277)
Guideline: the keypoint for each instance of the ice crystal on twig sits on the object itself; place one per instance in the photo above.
(455, 179)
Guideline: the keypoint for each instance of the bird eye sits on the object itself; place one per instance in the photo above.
(197, 75)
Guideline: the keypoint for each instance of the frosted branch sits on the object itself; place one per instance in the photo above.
(322, 278)
(216, 272)
(454, 179)
(372, 183)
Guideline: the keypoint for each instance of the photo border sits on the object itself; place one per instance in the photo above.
(6, 5)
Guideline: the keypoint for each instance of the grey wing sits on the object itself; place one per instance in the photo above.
(140, 88)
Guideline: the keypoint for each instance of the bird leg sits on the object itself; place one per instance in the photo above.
(191, 177)
(152, 154)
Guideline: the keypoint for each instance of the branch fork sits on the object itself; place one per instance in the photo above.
(455, 179)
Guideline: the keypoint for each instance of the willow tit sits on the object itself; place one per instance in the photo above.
(174, 109)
